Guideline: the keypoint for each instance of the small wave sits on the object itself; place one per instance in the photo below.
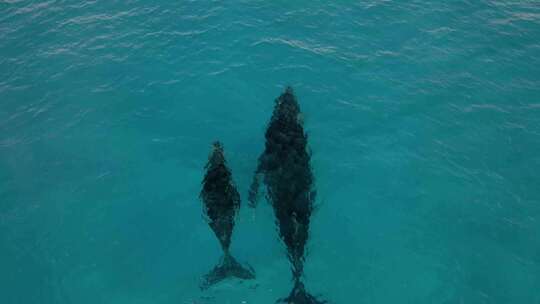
(475, 107)
(32, 7)
(315, 49)
(80, 20)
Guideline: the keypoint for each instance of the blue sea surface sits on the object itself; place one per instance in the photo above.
(423, 119)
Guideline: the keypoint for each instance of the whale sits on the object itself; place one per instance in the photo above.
(284, 170)
(221, 202)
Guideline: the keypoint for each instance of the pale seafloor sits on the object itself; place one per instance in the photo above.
(423, 118)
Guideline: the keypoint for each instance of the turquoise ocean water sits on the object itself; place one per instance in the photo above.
(423, 117)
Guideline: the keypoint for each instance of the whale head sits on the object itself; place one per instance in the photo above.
(287, 108)
(216, 155)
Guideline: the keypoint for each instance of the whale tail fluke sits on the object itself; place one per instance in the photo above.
(299, 295)
(227, 267)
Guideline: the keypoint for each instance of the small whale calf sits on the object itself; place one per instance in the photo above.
(284, 168)
(221, 202)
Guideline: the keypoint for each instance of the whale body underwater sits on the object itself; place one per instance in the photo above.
(284, 170)
(221, 202)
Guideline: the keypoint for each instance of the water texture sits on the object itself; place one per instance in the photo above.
(423, 118)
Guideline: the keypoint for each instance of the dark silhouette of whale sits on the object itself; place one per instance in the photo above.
(284, 168)
(221, 202)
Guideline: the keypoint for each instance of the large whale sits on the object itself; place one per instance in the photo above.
(284, 168)
(221, 202)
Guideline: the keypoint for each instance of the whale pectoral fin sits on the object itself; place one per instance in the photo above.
(253, 195)
(262, 166)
